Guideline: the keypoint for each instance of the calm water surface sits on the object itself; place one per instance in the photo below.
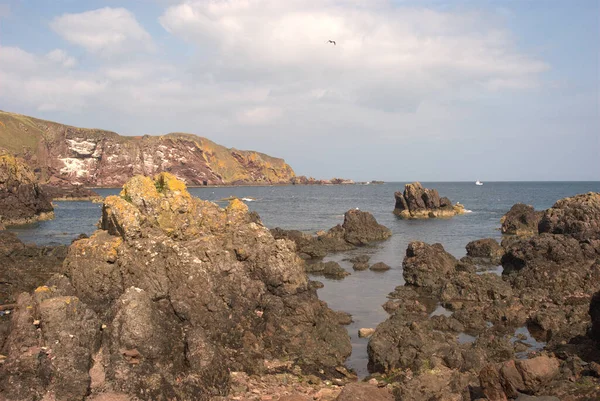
(313, 208)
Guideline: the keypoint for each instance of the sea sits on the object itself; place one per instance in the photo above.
(314, 208)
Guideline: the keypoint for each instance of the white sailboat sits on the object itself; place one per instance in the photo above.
(478, 182)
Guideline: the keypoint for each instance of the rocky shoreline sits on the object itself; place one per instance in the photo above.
(176, 298)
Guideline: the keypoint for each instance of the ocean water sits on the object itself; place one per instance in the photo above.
(313, 208)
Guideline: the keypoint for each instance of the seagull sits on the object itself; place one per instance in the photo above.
(331, 41)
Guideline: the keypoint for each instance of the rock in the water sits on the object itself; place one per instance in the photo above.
(380, 267)
(521, 219)
(22, 200)
(417, 202)
(359, 228)
(485, 251)
(365, 332)
(327, 269)
(578, 217)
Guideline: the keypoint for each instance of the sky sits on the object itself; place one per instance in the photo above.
(423, 90)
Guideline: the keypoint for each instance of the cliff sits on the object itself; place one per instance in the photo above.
(65, 155)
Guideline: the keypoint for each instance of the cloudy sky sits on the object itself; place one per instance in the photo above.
(425, 90)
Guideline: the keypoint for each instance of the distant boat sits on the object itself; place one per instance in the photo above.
(478, 182)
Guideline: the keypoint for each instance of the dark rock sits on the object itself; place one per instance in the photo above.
(359, 266)
(327, 269)
(22, 200)
(359, 228)
(380, 267)
(427, 265)
(521, 219)
(578, 217)
(595, 315)
(485, 251)
(418, 202)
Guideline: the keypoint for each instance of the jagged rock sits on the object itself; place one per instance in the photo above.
(380, 267)
(216, 291)
(22, 200)
(521, 219)
(417, 202)
(427, 265)
(359, 228)
(556, 263)
(66, 155)
(578, 217)
(327, 269)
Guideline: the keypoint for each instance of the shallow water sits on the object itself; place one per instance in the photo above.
(313, 208)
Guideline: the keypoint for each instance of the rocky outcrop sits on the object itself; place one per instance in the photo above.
(66, 155)
(521, 219)
(577, 217)
(417, 202)
(168, 297)
(359, 228)
(22, 201)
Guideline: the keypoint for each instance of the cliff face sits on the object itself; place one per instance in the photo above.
(62, 155)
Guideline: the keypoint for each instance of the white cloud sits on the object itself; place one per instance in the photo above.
(384, 54)
(61, 57)
(105, 31)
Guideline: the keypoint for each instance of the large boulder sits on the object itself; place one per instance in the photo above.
(578, 217)
(417, 202)
(507, 380)
(521, 219)
(22, 200)
(361, 228)
(427, 265)
(188, 290)
(485, 251)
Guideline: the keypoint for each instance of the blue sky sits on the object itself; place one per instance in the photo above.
(414, 90)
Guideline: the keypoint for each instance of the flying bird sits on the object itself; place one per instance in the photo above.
(331, 41)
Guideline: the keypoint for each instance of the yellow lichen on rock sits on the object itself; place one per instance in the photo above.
(168, 182)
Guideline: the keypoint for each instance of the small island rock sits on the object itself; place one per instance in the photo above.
(417, 202)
